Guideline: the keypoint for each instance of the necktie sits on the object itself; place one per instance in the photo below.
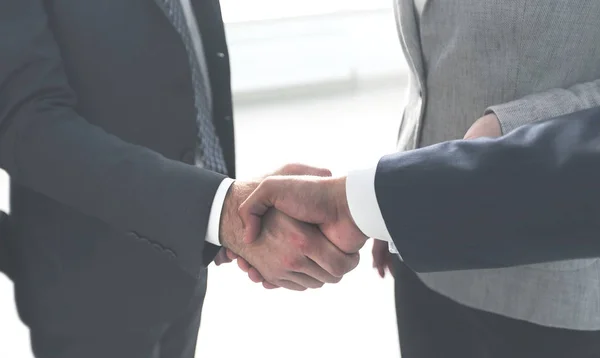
(211, 154)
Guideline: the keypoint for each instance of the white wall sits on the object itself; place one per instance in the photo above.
(342, 47)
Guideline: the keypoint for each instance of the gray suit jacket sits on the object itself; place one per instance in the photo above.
(525, 61)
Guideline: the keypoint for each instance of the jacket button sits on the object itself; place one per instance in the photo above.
(228, 118)
(188, 156)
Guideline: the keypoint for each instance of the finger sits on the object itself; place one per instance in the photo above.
(252, 226)
(304, 280)
(254, 207)
(255, 276)
(389, 263)
(381, 270)
(269, 286)
(379, 262)
(377, 258)
(243, 264)
(390, 268)
(302, 169)
(231, 255)
(334, 261)
(312, 269)
(221, 258)
(291, 285)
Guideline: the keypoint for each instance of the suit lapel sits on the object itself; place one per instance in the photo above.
(409, 35)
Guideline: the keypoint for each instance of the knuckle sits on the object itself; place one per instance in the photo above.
(355, 261)
(295, 264)
(265, 183)
(289, 262)
(325, 172)
(300, 241)
(290, 168)
(268, 184)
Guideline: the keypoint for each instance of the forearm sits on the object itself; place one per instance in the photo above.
(545, 105)
(47, 146)
(129, 187)
(528, 197)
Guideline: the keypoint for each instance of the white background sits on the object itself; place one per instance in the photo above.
(346, 55)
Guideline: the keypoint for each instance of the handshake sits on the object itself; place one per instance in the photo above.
(291, 229)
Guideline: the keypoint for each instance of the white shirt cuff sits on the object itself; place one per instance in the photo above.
(363, 205)
(214, 220)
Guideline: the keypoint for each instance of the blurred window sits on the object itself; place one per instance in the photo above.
(256, 10)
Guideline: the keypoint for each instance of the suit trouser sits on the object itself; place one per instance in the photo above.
(177, 339)
(104, 296)
(431, 325)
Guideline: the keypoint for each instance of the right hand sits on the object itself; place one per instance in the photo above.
(382, 257)
(319, 201)
(231, 233)
(314, 200)
(296, 255)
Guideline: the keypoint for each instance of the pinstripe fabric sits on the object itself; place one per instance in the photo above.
(210, 154)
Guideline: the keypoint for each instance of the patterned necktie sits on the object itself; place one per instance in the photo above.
(211, 154)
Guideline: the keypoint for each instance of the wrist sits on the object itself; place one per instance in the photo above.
(230, 225)
(341, 200)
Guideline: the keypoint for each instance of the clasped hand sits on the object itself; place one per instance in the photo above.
(291, 229)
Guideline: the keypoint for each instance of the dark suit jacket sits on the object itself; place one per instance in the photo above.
(3, 239)
(97, 131)
(531, 196)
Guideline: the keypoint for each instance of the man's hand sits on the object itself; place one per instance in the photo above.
(486, 126)
(382, 257)
(231, 233)
(226, 256)
(296, 255)
(230, 226)
(314, 200)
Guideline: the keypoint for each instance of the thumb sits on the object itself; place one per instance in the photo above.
(255, 206)
(486, 126)
(302, 198)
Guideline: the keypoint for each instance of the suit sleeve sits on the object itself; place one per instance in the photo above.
(47, 146)
(530, 196)
(544, 105)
